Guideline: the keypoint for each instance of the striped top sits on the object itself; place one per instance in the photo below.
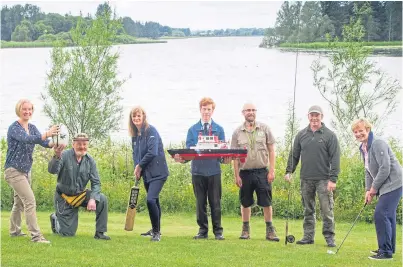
(21, 146)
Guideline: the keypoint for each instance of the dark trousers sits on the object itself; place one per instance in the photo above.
(67, 216)
(385, 221)
(153, 190)
(208, 187)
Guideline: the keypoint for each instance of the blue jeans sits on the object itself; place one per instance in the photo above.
(153, 189)
(385, 221)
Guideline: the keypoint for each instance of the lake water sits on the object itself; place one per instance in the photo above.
(168, 80)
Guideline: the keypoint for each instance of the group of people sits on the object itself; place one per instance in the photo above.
(316, 146)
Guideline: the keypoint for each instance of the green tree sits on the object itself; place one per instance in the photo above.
(83, 91)
(40, 28)
(22, 32)
(353, 85)
(178, 33)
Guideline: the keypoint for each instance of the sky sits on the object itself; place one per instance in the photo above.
(196, 15)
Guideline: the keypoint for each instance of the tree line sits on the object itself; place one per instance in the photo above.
(313, 21)
(27, 22)
(24, 23)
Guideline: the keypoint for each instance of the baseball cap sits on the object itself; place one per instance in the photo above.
(316, 109)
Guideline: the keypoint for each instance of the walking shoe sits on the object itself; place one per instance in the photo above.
(304, 241)
(245, 232)
(18, 234)
(40, 239)
(219, 237)
(100, 235)
(148, 233)
(53, 219)
(330, 243)
(381, 256)
(271, 234)
(374, 252)
(156, 237)
(201, 236)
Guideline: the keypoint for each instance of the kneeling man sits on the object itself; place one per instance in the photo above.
(74, 169)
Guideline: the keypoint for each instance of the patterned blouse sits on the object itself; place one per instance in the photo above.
(21, 146)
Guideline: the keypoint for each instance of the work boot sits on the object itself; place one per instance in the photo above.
(100, 235)
(245, 232)
(271, 234)
(305, 241)
(330, 242)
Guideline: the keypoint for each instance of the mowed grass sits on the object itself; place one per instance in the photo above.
(177, 248)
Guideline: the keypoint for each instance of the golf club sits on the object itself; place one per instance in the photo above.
(332, 252)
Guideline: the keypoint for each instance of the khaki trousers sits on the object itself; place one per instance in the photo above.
(24, 201)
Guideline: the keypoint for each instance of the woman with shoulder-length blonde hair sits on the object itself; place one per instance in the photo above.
(149, 163)
(133, 130)
(22, 137)
(383, 178)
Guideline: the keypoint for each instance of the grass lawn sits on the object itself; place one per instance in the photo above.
(178, 249)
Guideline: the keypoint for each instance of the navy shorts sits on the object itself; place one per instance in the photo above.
(255, 180)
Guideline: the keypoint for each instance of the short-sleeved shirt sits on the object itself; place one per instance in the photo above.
(256, 142)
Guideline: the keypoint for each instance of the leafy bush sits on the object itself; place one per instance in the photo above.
(115, 166)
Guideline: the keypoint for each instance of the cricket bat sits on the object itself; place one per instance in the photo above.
(131, 209)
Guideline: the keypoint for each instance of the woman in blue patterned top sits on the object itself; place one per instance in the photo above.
(22, 137)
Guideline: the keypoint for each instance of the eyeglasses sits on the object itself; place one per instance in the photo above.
(250, 110)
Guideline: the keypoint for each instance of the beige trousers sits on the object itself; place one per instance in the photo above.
(24, 201)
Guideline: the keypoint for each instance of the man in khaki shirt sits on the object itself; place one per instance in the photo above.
(253, 175)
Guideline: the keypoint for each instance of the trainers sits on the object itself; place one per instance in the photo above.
(100, 235)
(156, 237)
(40, 239)
(18, 234)
(245, 232)
(381, 256)
(201, 236)
(330, 243)
(219, 237)
(53, 222)
(374, 252)
(304, 241)
(271, 234)
(148, 233)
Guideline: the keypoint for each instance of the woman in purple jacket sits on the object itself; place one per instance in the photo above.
(22, 137)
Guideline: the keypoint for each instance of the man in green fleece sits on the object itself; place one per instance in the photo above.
(319, 150)
(74, 169)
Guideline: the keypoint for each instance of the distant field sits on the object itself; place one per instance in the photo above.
(177, 248)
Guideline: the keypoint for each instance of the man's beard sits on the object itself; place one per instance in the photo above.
(80, 154)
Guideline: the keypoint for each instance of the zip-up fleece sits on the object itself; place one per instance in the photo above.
(148, 152)
(319, 152)
(384, 172)
(204, 167)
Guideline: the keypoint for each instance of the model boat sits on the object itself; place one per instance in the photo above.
(208, 146)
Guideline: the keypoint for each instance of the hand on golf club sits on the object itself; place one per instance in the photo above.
(369, 195)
